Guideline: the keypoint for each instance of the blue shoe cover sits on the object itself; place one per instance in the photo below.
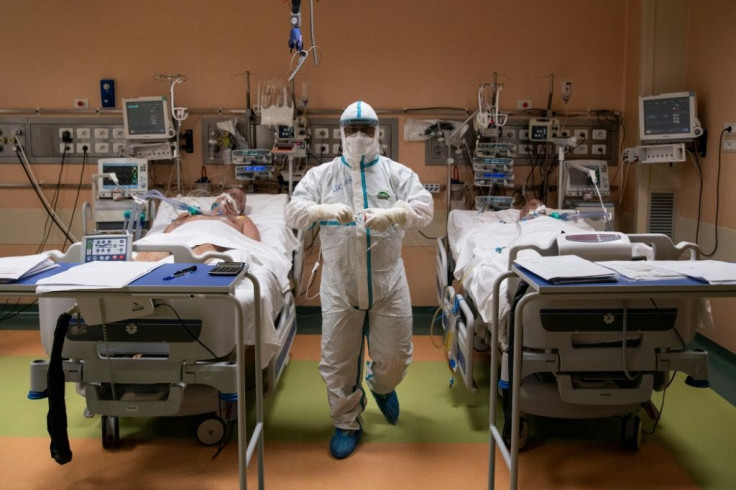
(389, 406)
(344, 442)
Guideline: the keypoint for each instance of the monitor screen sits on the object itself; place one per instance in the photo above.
(578, 177)
(132, 175)
(668, 117)
(127, 174)
(147, 118)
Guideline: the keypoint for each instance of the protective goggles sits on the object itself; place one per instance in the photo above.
(366, 129)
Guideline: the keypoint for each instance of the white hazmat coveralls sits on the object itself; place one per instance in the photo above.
(363, 270)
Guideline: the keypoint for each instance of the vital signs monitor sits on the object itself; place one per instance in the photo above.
(668, 117)
(147, 118)
(132, 175)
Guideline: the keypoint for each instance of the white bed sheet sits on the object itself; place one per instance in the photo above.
(480, 243)
(270, 259)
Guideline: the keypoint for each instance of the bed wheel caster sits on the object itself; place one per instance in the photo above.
(523, 433)
(631, 432)
(110, 431)
(211, 431)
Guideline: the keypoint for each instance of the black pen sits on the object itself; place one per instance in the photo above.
(181, 272)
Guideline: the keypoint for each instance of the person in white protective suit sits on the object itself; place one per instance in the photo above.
(363, 202)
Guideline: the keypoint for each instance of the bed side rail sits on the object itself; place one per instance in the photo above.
(444, 274)
(181, 253)
(549, 249)
(665, 249)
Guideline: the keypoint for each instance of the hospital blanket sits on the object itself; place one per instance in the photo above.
(480, 243)
(270, 259)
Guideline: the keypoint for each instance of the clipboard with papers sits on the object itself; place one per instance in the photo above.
(566, 269)
(14, 269)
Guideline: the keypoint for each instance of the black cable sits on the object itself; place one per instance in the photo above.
(79, 190)
(700, 190)
(11, 314)
(672, 325)
(40, 197)
(661, 406)
(428, 237)
(54, 202)
(184, 325)
(718, 194)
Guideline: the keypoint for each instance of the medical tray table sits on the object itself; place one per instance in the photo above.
(539, 289)
(197, 284)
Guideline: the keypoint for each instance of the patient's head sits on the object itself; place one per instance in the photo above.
(530, 207)
(231, 202)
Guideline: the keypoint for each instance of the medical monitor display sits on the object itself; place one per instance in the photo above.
(579, 181)
(132, 175)
(669, 117)
(147, 118)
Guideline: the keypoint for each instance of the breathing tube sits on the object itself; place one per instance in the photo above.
(156, 194)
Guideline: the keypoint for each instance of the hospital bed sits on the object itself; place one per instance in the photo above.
(178, 359)
(576, 362)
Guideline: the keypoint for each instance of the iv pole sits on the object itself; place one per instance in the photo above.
(179, 114)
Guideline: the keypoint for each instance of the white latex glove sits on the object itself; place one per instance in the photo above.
(382, 219)
(336, 211)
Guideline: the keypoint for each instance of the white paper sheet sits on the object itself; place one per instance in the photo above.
(15, 268)
(96, 275)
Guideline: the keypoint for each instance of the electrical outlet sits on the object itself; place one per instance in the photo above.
(321, 133)
(102, 148)
(118, 133)
(336, 134)
(322, 149)
(565, 133)
(336, 149)
(83, 148)
(101, 133)
(83, 133)
(523, 134)
(581, 150)
(509, 134)
(599, 150)
(566, 90)
(66, 146)
(433, 188)
(729, 138)
(118, 148)
(581, 134)
(66, 132)
(599, 134)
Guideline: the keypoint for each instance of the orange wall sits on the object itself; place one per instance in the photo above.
(394, 54)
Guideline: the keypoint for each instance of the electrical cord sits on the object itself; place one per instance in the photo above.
(186, 328)
(54, 202)
(20, 153)
(79, 191)
(661, 406)
(718, 193)
(696, 163)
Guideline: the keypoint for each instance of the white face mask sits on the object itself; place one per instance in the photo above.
(358, 143)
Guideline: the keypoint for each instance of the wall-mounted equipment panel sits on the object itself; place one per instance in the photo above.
(97, 137)
(597, 139)
(10, 129)
(322, 135)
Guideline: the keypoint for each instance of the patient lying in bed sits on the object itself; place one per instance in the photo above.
(228, 208)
